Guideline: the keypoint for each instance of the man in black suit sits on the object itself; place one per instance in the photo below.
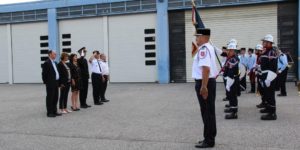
(50, 76)
(83, 65)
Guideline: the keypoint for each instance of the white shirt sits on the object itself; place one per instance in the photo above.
(104, 67)
(55, 69)
(205, 57)
(95, 66)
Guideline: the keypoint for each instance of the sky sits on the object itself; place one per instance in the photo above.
(14, 1)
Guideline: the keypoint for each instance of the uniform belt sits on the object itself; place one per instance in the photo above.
(210, 79)
(96, 73)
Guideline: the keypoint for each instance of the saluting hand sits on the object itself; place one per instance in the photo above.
(204, 92)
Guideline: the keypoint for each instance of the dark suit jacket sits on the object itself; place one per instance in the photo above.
(84, 68)
(48, 73)
(63, 73)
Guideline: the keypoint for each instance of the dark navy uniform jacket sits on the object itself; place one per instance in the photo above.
(268, 61)
(231, 67)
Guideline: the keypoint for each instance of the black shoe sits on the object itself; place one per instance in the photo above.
(84, 107)
(269, 116)
(225, 99)
(51, 115)
(261, 105)
(58, 114)
(200, 142)
(227, 105)
(231, 116)
(99, 103)
(204, 145)
(104, 100)
(281, 95)
(228, 110)
(88, 106)
(263, 110)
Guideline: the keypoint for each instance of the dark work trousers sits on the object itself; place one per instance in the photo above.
(269, 97)
(224, 80)
(97, 84)
(63, 99)
(282, 80)
(243, 83)
(83, 91)
(207, 108)
(104, 87)
(252, 80)
(238, 89)
(52, 97)
(232, 95)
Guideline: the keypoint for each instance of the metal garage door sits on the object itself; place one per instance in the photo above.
(76, 33)
(248, 24)
(4, 54)
(26, 46)
(132, 53)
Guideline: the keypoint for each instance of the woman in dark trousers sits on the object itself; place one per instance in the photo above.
(75, 81)
(64, 82)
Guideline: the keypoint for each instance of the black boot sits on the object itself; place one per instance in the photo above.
(232, 115)
(264, 110)
(261, 105)
(269, 116)
(228, 110)
(225, 99)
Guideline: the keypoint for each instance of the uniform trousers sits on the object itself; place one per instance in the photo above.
(207, 108)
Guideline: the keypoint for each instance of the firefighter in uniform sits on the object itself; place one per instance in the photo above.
(268, 66)
(204, 71)
(231, 72)
(257, 70)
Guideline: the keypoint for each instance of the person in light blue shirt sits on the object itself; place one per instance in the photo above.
(244, 61)
(282, 72)
(250, 67)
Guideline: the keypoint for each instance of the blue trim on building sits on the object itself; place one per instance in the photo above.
(50, 4)
(162, 28)
(53, 38)
(298, 40)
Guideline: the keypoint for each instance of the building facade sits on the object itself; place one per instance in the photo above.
(145, 40)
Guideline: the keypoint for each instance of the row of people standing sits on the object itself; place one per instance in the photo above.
(266, 68)
(65, 75)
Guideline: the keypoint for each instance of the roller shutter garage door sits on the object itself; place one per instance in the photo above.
(248, 24)
(4, 54)
(76, 33)
(26, 46)
(132, 53)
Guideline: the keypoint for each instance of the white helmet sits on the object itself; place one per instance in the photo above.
(268, 38)
(233, 41)
(232, 46)
(259, 47)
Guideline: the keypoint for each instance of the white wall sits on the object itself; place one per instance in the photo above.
(26, 51)
(127, 48)
(4, 61)
(86, 32)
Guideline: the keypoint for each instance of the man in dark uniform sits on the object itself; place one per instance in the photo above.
(231, 76)
(83, 65)
(204, 72)
(50, 76)
(268, 66)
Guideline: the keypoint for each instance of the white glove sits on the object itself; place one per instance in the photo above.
(229, 83)
(268, 83)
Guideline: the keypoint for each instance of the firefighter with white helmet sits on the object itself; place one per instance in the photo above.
(268, 66)
(231, 71)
